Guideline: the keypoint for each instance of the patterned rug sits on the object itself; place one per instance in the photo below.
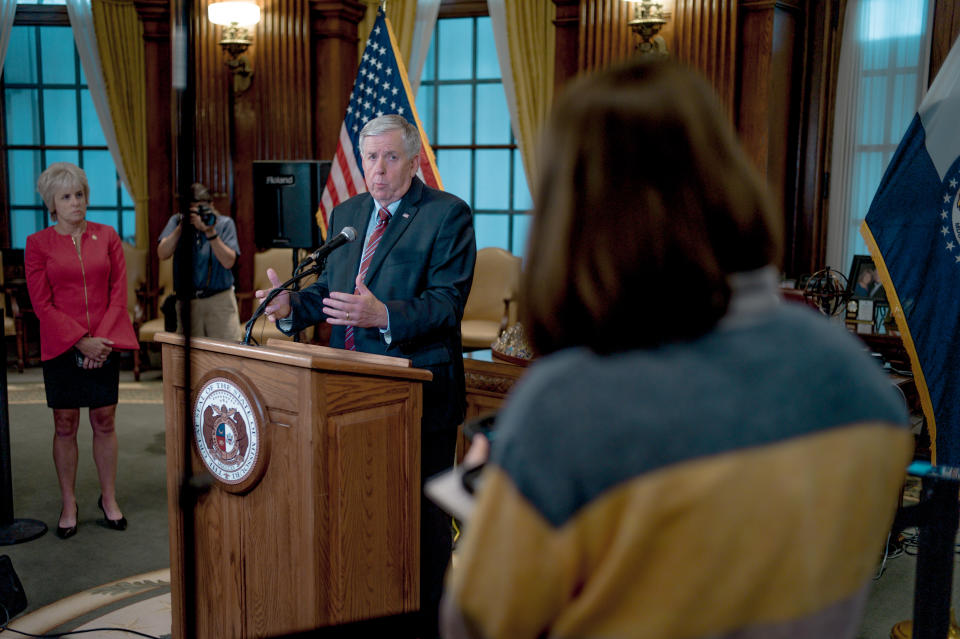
(140, 603)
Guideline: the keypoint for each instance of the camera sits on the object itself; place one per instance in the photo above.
(207, 215)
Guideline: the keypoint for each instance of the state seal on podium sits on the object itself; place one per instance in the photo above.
(229, 429)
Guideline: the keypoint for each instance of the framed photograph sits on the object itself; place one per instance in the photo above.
(864, 281)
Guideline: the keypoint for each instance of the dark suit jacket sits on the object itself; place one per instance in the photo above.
(422, 270)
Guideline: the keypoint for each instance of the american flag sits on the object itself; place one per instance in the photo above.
(381, 87)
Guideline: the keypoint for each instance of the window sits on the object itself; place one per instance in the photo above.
(464, 111)
(49, 117)
(885, 59)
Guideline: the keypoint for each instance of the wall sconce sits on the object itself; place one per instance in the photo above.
(235, 16)
(648, 18)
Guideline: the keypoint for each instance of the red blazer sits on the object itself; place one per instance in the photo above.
(76, 298)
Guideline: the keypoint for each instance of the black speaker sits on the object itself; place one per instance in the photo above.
(13, 600)
(286, 196)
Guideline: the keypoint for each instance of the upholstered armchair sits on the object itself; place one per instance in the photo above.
(13, 319)
(491, 306)
(151, 301)
(280, 260)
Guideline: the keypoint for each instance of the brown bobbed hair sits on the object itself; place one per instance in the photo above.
(646, 202)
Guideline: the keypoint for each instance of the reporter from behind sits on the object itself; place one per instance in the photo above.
(213, 307)
(722, 464)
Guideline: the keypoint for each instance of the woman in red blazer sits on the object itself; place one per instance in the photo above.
(78, 287)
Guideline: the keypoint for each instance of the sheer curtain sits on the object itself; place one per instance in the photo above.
(423, 26)
(525, 39)
(8, 9)
(81, 21)
(882, 78)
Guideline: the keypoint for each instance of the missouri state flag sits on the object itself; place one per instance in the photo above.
(913, 232)
(381, 87)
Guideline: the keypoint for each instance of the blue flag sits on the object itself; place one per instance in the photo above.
(913, 232)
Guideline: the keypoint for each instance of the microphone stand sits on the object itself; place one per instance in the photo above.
(297, 276)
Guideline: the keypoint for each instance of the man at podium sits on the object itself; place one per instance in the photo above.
(400, 292)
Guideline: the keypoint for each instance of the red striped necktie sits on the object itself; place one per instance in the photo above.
(368, 251)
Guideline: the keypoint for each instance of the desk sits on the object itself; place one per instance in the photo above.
(488, 382)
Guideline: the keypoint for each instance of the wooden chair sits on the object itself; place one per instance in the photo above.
(136, 263)
(151, 300)
(13, 321)
(491, 306)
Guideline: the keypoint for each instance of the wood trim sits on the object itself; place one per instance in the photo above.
(463, 8)
(567, 42)
(946, 28)
(41, 15)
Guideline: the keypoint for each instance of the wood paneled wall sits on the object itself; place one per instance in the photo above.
(304, 62)
(705, 37)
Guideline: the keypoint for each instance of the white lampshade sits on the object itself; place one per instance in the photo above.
(237, 12)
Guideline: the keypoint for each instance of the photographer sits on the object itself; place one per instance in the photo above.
(213, 308)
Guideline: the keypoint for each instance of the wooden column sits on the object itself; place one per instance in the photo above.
(155, 16)
(333, 32)
(946, 27)
(567, 22)
(767, 90)
(806, 219)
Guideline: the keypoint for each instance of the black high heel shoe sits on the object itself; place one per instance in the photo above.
(112, 524)
(69, 531)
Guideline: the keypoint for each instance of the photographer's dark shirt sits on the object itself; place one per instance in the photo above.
(209, 275)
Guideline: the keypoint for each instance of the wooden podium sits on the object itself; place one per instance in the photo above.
(313, 516)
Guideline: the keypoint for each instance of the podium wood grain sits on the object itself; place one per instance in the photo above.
(330, 534)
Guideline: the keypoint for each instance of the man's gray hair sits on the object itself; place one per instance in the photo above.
(393, 122)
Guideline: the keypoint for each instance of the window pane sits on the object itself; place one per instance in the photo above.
(104, 217)
(60, 123)
(487, 64)
(24, 171)
(521, 229)
(492, 179)
(453, 116)
(21, 61)
(23, 116)
(425, 110)
(492, 229)
(56, 55)
(873, 115)
(455, 170)
(63, 156)
(493, 118)
(129, 220)
(102, 176)
(125, 199)
(521, 193)
(92, 133)
(455, 53)
(23, 223)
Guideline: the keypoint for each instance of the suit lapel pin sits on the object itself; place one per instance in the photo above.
(406, 215)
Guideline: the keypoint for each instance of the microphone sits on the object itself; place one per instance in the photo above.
(347, 235)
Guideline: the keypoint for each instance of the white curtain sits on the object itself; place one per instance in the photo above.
(882, 77)
(81, 22)
(8, 9)
(423, 26)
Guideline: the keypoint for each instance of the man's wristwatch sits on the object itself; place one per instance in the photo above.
(211, 238)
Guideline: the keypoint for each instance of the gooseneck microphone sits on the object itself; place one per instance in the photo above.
(347, 235)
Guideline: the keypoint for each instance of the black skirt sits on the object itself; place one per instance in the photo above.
(69, 386)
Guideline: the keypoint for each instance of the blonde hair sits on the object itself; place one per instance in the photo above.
(59, 177)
